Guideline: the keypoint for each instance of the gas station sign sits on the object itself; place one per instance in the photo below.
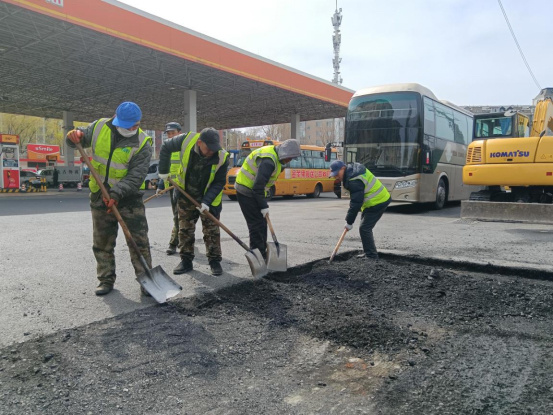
(43, 152)
(9, 138)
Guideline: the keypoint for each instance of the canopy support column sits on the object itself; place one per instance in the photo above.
(190, 122)
(295, 126)
(69, 153)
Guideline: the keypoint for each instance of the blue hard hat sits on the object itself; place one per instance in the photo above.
(127, 115)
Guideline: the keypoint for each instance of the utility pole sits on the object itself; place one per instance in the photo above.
(336, 20)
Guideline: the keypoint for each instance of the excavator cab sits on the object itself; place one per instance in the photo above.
(506, 124)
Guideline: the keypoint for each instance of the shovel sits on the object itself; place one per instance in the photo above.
(254, 257)
(337, 246)
(276, 253)
(158, 194)
(155, 280)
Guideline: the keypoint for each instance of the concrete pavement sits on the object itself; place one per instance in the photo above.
(48, 269)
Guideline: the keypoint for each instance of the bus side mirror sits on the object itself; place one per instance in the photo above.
(328, 152)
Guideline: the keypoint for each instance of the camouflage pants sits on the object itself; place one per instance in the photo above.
(188, 216)
(105, 228)
(174, 207)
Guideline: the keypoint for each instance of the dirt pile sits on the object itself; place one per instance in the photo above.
(356, 336)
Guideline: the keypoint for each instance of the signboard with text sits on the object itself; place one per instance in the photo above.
(9, 139)
(43, 152)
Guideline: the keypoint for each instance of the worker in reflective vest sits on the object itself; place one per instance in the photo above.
(254, 181)
(121, 154)
(367, 194)
(172, 129)
(202, 174)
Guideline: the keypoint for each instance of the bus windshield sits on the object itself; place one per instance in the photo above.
(383, 132)
(244, 153)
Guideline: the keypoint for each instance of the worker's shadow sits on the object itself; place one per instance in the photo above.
(118, 303)
(211, 282)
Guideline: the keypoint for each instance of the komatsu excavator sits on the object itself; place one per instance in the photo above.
(518, 169)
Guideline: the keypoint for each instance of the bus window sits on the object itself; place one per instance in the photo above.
(444, 122)
(295, 164)
(319, 163)
(429, 117)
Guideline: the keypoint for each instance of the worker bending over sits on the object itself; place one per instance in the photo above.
(257, 175)
(202, 174)
(367, 194)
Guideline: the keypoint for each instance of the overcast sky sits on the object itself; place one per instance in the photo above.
(461, 49)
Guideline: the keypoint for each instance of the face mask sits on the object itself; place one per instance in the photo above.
(126, 133)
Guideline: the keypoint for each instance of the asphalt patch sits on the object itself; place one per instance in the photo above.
(354, 336)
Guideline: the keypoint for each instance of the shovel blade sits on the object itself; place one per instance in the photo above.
(257, 263)
(158, 284)
(277, 257)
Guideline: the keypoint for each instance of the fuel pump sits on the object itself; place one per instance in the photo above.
(9, 161)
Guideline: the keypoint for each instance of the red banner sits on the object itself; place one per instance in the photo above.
(40, 151)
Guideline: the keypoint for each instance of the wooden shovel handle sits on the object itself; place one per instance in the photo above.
(105, 194)
(158, 194)
(271, 228)
(210, 216)
(338, 245)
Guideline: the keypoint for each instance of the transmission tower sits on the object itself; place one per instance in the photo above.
(336, 40)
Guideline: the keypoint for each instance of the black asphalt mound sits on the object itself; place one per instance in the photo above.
(390, 337)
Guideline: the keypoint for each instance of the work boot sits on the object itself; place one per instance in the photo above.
(104, 288)
(144, 292)
(172, 250)
(184, 266)
(361, 256)
(215, 267)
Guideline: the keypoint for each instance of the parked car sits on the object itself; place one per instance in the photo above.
(153, 174)
(27, 177)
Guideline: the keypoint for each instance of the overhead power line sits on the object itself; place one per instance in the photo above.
(518, 46)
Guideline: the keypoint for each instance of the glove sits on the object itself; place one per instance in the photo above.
(265, 212)
(348, 226)
(203, 209)
(110, 203)
(160, 186)
(75, 136)
(163, 176)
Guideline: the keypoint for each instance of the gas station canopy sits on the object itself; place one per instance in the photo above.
(85, 57)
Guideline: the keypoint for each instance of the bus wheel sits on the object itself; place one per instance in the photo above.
(232, 197)
(316, 192)
(441, 195)
(272, 191)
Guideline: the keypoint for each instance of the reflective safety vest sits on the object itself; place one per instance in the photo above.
(248, 171)
(175, 164)
(188, 146)
(112, 163)
(375, 192)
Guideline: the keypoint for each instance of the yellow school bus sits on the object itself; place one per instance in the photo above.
(306, 175)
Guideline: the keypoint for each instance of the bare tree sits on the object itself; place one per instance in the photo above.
(277, 132)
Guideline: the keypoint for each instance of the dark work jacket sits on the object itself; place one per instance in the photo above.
(197, 173)
(265, 170)
(356, 190)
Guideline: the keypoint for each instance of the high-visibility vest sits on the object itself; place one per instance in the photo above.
(375, 192)
(187, 147)
(114, 165)
(248, 171)
(175, 164)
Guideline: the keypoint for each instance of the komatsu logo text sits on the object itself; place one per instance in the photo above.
(516, 153)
